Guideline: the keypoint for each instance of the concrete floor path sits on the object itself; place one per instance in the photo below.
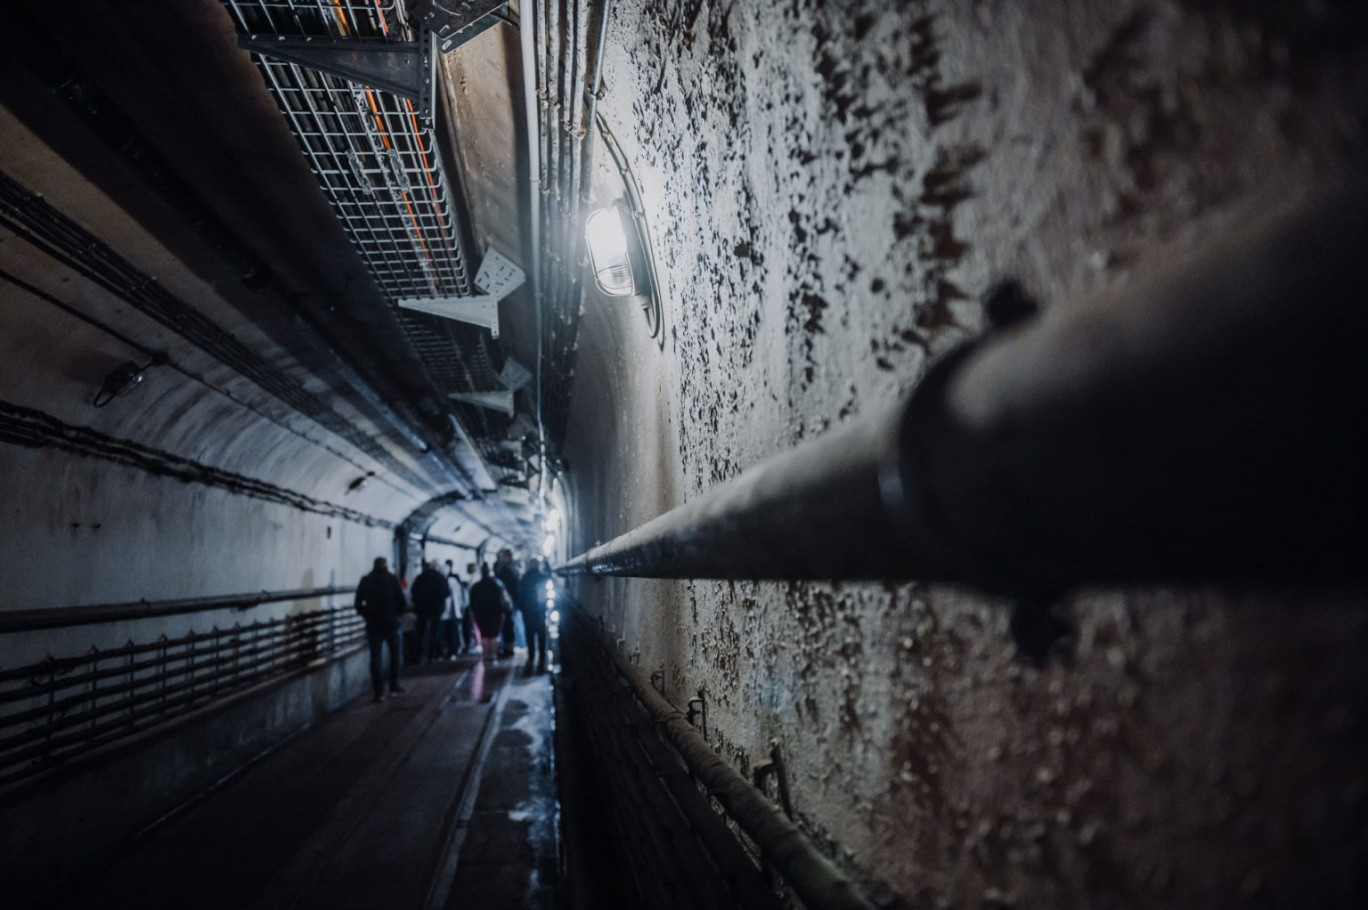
(441, 797)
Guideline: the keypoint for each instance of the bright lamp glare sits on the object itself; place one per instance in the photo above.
(555, 615)
(609, 250)
(549, 545)
(550, 587)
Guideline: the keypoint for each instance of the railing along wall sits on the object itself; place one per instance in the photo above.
(690, 830)
(56, 709)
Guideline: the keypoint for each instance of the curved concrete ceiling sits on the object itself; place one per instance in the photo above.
(288, 366)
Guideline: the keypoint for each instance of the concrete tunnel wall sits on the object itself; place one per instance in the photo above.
(181, 489)
(80, 528)
(830, 187)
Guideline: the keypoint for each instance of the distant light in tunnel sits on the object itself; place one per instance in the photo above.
(550, 587)
(553, 518)
(549, 545)
(610, 251)
(555, 615)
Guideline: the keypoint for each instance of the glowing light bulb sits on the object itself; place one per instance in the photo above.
(610, 252)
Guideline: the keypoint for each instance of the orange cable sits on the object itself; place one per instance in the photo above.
(385, 138)
(341, 15)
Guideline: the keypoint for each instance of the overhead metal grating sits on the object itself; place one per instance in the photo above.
(375, 157)
(372, 150)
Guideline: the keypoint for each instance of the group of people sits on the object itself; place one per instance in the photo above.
(452, 614)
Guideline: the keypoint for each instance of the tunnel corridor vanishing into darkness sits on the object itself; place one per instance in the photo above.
(945, 420)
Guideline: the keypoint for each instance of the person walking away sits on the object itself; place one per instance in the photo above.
(450, 629)
(380, 601)
(507, 573)
(489, 605)
(532, 605)
(430, 595)
(467, 619)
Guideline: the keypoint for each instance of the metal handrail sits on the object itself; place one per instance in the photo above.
(61, 617)
(305, 631)
(73, 705)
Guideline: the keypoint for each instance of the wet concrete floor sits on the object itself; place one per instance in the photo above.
(441, 797)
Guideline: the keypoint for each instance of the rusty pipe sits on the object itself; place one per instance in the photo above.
(1206, 427)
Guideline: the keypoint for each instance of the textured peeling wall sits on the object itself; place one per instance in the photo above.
(830, 187)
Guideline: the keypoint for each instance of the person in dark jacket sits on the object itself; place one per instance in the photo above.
(532, 604)
(506, 571)
(472, 639)
(380, 601)
(490, 605)
(450, 630)
(430, 595)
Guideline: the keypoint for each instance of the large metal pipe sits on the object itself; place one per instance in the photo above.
(1208, 427)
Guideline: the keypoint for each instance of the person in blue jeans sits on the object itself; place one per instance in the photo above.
(380, 601)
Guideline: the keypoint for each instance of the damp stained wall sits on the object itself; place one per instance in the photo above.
(830, 187)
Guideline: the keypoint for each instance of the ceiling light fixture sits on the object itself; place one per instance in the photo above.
(633, 275)
(616, 251)
(126, 377)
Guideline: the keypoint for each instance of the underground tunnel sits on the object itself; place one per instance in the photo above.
(917, 453)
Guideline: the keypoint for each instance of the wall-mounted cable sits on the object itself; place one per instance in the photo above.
(40, 225)
(159, 358)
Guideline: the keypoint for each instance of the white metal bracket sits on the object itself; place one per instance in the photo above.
(498, 277)
(495, 401)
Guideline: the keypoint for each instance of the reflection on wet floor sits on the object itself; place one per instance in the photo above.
(443, 797)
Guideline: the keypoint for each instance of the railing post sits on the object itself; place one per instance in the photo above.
(131, 698)
(94, 653)
(237, 653)
(214, 674)
(190, 665)
(51, 706)
(162, 647)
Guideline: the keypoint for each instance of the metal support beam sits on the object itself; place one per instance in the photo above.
(480, 309)
(1208, 427)
(456, 22)
(495, 401)
(498, 277)
(402, 68)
